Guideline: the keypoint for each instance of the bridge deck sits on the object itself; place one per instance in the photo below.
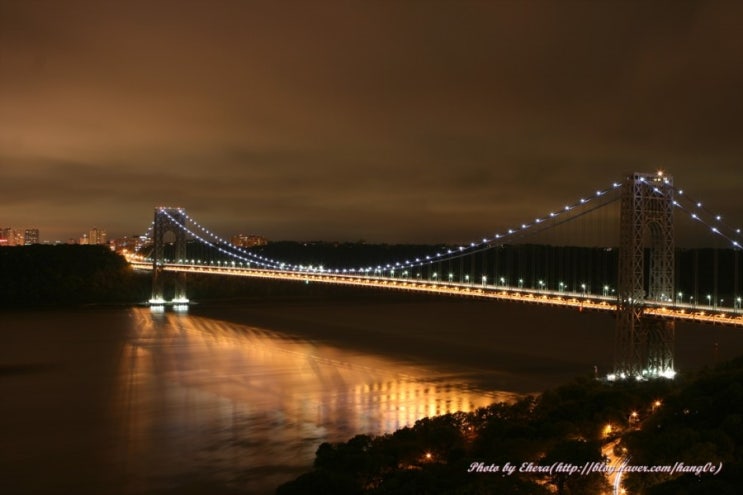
(582, 301)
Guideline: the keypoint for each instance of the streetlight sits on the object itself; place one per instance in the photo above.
(561, 285)
(709, 300)
(681, 297)
(502, 281)
(606, 290)
(541, 285)
(435, 275)
(451, 275)
(521, 283)
(583, 286)
(633, 417)
(484, 280)
(467, 278)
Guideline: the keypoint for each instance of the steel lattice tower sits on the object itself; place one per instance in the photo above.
(644, 345)
(168, 220)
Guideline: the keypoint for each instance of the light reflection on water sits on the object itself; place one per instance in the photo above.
(249, 407)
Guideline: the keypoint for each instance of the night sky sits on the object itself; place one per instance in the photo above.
(388, 121)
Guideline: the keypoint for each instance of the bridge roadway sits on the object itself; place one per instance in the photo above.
(726, 316)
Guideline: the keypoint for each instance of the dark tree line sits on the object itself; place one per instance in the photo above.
(42, 275)
(696, 420)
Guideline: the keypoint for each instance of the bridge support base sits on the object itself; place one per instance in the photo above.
(644, 345)
(644, 349)
(168, 221)
(159, 279)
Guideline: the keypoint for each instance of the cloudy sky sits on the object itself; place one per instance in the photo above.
(426, 121)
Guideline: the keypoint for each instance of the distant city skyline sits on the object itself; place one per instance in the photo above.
(17, 236)
(384, 121)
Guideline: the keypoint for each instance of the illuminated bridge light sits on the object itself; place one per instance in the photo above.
(224, 248)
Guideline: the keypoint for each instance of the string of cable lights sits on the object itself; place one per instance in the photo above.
(713, 221)
(549, 220)
(219, 248)
(693, 208)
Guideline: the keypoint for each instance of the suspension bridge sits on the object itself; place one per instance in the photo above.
(636, 271)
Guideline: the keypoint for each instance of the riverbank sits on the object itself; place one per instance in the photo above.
(659, 436)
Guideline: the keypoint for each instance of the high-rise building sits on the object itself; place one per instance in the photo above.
(30, 236)
(11, 237)
(6, 236)
(97, 236)
(246, 241)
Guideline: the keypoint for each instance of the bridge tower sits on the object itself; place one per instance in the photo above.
(168, 220)
(644, 345)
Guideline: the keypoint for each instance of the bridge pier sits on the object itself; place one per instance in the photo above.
(645, 345)
(168, 221)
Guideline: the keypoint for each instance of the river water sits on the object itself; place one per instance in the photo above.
(236, 399)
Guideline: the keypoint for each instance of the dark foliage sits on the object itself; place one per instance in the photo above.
(698, 424)
(41, 275)
(694, 421)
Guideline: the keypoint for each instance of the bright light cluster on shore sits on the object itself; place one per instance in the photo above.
(668, 373)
